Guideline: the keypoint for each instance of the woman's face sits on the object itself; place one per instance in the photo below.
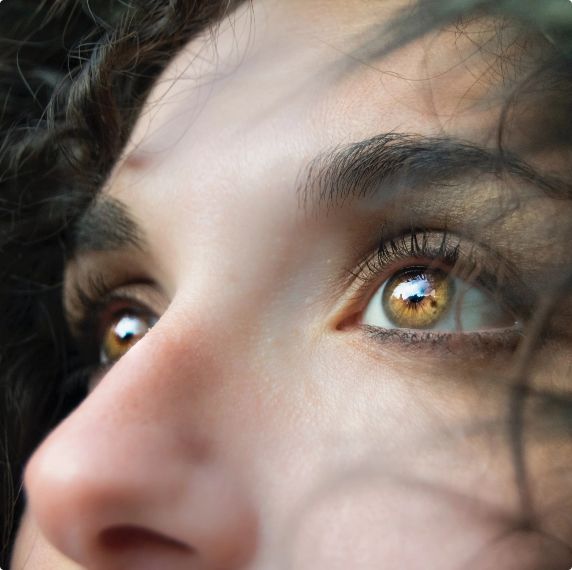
(341, 287)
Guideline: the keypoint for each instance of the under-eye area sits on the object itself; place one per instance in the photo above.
(484, 344)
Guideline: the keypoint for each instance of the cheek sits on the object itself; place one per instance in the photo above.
(367, 522)
(398, 486)
(366, 413)
(33, 551)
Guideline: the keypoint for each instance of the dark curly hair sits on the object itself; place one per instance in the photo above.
(73, 77)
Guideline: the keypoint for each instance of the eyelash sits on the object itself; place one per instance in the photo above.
(94, 300)
(480, 267)
(414, 245)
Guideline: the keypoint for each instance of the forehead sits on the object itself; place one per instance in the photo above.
(308, 71)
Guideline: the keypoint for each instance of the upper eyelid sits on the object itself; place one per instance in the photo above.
(87, 302)
(90, 276)
(491, 272)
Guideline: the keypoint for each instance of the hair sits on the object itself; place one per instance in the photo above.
(70, 93)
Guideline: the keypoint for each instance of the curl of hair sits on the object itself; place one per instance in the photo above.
(70, 93)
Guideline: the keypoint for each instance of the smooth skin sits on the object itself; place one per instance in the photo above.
(257, 425)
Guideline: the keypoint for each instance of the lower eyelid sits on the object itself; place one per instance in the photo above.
(448, 342)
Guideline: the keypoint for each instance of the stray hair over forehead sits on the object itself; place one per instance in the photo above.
(551, 18)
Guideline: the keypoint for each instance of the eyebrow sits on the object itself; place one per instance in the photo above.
(106, 225)
(363, 169)
(335, 178)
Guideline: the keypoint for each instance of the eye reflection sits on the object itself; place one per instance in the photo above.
(417, 297)
(124, 333)
(424, 298)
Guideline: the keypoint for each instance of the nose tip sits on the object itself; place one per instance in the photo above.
(197, 519)
(95, 520)
(107, 502)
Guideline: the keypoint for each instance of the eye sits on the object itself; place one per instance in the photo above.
(125, 331)
(423, 298)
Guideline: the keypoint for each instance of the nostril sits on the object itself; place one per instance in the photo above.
(120, 538)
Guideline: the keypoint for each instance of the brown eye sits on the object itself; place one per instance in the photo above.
(123, 333)
(421, 297)
(418, 297)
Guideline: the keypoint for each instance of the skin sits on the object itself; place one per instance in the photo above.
(257, 425)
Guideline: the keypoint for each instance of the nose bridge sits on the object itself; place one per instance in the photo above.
(146, 462)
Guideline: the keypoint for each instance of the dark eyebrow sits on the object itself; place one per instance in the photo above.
(106, 226)
(358, 170)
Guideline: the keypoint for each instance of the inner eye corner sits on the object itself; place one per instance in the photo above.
(349, 320)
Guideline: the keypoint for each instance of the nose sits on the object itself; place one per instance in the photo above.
(138, 477)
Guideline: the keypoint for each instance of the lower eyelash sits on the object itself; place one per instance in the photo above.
(453, 342)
